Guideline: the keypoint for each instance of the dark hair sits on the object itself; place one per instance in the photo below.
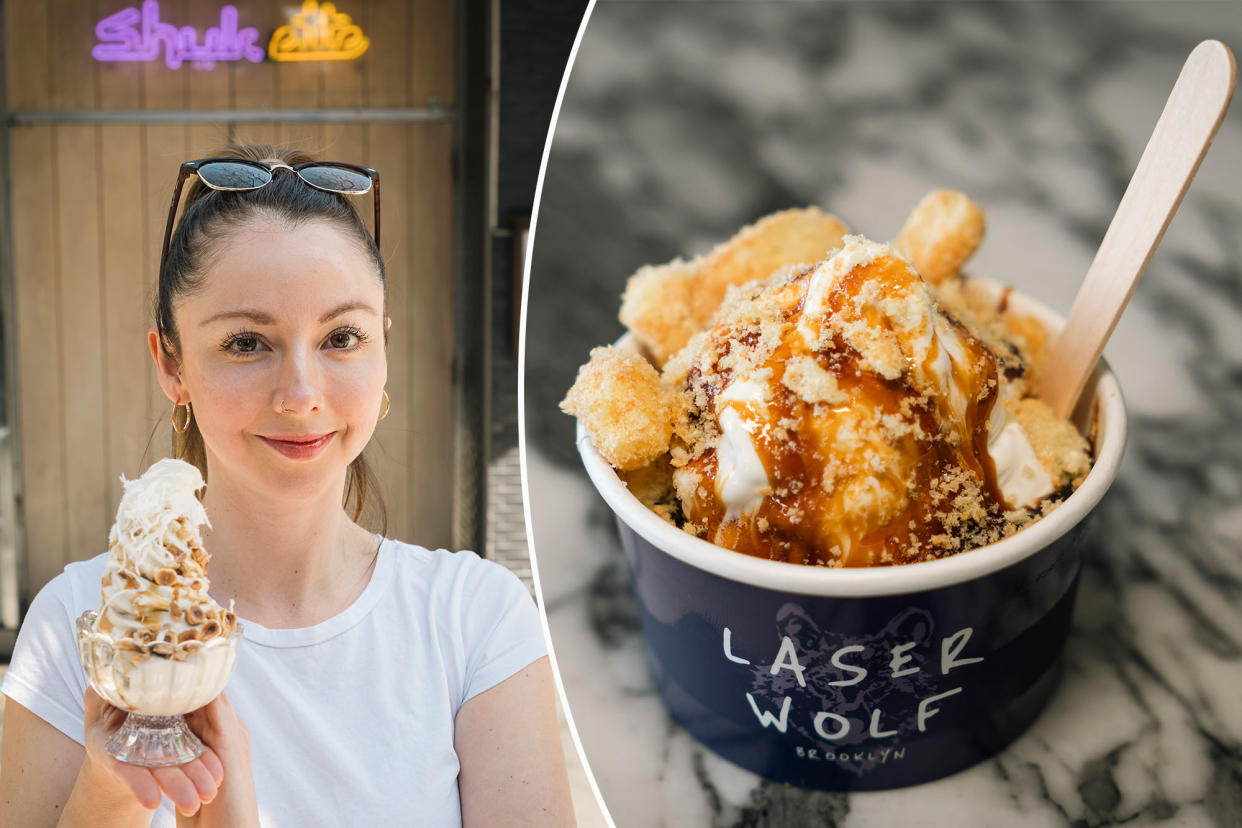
(209, 217)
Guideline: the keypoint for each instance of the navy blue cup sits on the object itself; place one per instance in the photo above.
(863, 679)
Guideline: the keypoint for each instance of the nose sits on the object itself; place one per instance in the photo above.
(297, 388)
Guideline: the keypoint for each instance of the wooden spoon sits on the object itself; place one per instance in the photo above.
(1190, 119)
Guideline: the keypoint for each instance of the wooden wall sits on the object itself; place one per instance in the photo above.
(89, 202)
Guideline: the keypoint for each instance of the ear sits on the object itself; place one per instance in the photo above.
(166, 369)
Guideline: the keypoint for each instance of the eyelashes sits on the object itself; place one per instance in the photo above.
(244, 336)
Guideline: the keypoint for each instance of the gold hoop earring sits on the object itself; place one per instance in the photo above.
(384, 413)
(185, 427)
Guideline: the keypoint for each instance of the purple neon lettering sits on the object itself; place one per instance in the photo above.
(123, 40)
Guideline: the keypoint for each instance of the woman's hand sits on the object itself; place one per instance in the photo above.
(228, 739)
(189, 786)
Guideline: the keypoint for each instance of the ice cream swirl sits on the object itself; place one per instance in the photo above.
(155, 583)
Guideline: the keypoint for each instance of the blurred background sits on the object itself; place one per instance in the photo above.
(684, 121)
(449, 100)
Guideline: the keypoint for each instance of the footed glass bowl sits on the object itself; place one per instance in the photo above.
(157, 684)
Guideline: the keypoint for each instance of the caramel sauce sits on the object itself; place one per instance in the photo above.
(841, 498)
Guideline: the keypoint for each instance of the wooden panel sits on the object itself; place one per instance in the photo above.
(389, 449)
(253, 85)
(119, 82)
(347, 143)
(304, 137)
(431, 47)
(165, 146)
(165, 88)
(39, 342)
(126, 310)
(432, 294)
(417, 242)
(259, 133)
(385, 65)
(299, 85)
(342, 80)
(208, 88)
(120, 85)
(70, 62)
(206, 140)
(86, 432)
(329, 142)
(26, 32)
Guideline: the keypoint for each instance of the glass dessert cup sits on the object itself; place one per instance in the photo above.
(156, 691)
(869, 678)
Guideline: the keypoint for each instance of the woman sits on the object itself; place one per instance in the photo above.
(376, 682)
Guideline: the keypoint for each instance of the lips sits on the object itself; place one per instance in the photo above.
(298, 438)
(299, 446)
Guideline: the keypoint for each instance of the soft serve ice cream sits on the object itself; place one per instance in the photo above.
(159, 644)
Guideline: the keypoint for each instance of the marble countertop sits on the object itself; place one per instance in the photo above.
(683, 122)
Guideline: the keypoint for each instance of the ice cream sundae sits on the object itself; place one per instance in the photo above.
(842, 411)
(158, 645)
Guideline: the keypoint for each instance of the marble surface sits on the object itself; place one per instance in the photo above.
(684, 121)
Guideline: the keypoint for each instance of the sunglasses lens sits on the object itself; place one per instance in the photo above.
(230, 175)
(336, 179)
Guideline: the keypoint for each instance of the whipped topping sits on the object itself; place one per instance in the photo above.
(1023, 481)
(951, 360)
(857, 251)
(150, 505)
(741, 479)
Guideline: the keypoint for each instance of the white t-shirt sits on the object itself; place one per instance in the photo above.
(351, 720)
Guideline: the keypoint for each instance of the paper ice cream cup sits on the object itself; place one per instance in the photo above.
(869, 678)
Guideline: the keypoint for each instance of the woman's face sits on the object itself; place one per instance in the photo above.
(284, 342)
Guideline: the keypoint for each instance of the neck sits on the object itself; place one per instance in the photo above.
(285, 563)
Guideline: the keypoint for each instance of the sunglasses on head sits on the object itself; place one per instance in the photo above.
(238, 174)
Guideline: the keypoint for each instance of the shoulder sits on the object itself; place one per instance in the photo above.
(50, 618)
(483, 618)
(75, 589)
(462, 594)
(48, 628)
(45, 673)
(453, 574)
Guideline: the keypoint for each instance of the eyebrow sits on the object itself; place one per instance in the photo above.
(262, 318)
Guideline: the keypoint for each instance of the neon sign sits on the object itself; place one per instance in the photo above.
(133, 35)
(319, 32)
